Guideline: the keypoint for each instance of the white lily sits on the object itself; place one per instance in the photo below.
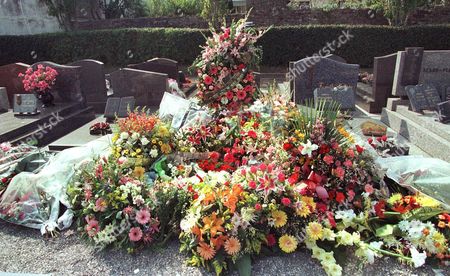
(308, 148)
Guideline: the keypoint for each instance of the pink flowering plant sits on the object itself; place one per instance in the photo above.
(40, 80)
(113, 204)
(225, 77)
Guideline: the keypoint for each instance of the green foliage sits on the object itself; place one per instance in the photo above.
(124, 8)
(173, 7)
(280, 44)
(214, 11)
(63, 10)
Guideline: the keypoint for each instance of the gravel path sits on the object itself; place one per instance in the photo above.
(23, 250)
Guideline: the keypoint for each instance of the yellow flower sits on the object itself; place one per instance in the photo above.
(394, 198)
(232, 246)
(133, 154)
(303, 211)
(426, 201)
(153, 141)
(309, 201)
(279, 217)
(314, 230)
(165, 148)
(139, 172)
(138, 151)
(288, 243)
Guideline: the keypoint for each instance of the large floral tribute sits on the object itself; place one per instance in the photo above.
(272, 177)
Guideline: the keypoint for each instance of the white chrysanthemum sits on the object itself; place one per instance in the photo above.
(188, 222)
(154, 153)
(248, 214)
(144, 141)
(135, 136)
(418, 258)
(124, 135)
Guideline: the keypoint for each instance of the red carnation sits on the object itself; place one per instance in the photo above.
(340, 197)
(285, 201)
(208, 80)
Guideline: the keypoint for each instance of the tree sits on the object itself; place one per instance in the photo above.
(63, 10)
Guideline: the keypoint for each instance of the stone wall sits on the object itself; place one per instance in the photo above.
(23, 17)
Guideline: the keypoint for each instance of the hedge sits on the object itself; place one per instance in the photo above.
(120, 47)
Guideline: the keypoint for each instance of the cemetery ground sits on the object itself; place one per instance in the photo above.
(25, 251)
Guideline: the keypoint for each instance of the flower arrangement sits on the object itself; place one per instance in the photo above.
(142, 138)
(100, 128)
(40, 80)
(113, 205)
(225, 79)
(277, 176)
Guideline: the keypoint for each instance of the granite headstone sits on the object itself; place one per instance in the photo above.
(68, 83)
(345, 96)
(335, 58)
(436, 69)
(383, 78)
(159, 65)
(413, 63)
(4, 101)
(313, 72)
(92, 82)
(147, 87)
(25, 104)
(9, 78)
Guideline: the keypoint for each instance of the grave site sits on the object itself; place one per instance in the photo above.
(227, 158)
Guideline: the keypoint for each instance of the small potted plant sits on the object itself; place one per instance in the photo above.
(40, 81)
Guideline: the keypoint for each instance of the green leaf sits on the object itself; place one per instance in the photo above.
(422, 214)
(244, 265)
(384, 231)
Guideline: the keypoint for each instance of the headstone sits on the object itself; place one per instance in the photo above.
(444, 112)
(413, 63)
(446, 95)
(313, 72)
(112, 105)
(147, 87)
(9, 78)
(335, 58)
(126, 104)
(158, 65)
(68, 84)
(25, 104)
(92, 82)
(383, 78)
(436, 70)
(345, 96)
(423, 97)
(4, 101)
(407, 69)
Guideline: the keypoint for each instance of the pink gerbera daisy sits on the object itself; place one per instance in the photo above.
(135, 234)
(143, 216)
(100, 205)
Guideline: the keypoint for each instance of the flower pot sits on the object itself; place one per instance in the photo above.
(46, 98)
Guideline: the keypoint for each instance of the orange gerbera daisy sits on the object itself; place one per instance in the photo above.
(205, 251)
(232, 246)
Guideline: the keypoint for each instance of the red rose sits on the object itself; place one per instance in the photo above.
(252, 184)
(287, 146)
(359, 149)
(252, 134)
(384, 138)
(229, 158)
(258, 207)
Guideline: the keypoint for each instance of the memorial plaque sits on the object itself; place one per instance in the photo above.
(444, 112)
(436, 69)
(112, 106)
(126, 104)
(4, 101)
(432, 96)
(422, 97)
(25, 104)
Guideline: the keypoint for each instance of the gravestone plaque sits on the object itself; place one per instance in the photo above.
(313, 72)
(126, 104)
(92, 82)
(25, 104)
(444, 112)
(68, 84)
(158, 65)
(147, 87)
(9, 78)
(383, 78)
(413, 63)
(4, 101)
(345, 96)
(112, 105)
(422, 97)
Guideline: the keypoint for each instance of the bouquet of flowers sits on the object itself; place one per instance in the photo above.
(40, 80)
(226, 81)
(142, 138)
(113, 205)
